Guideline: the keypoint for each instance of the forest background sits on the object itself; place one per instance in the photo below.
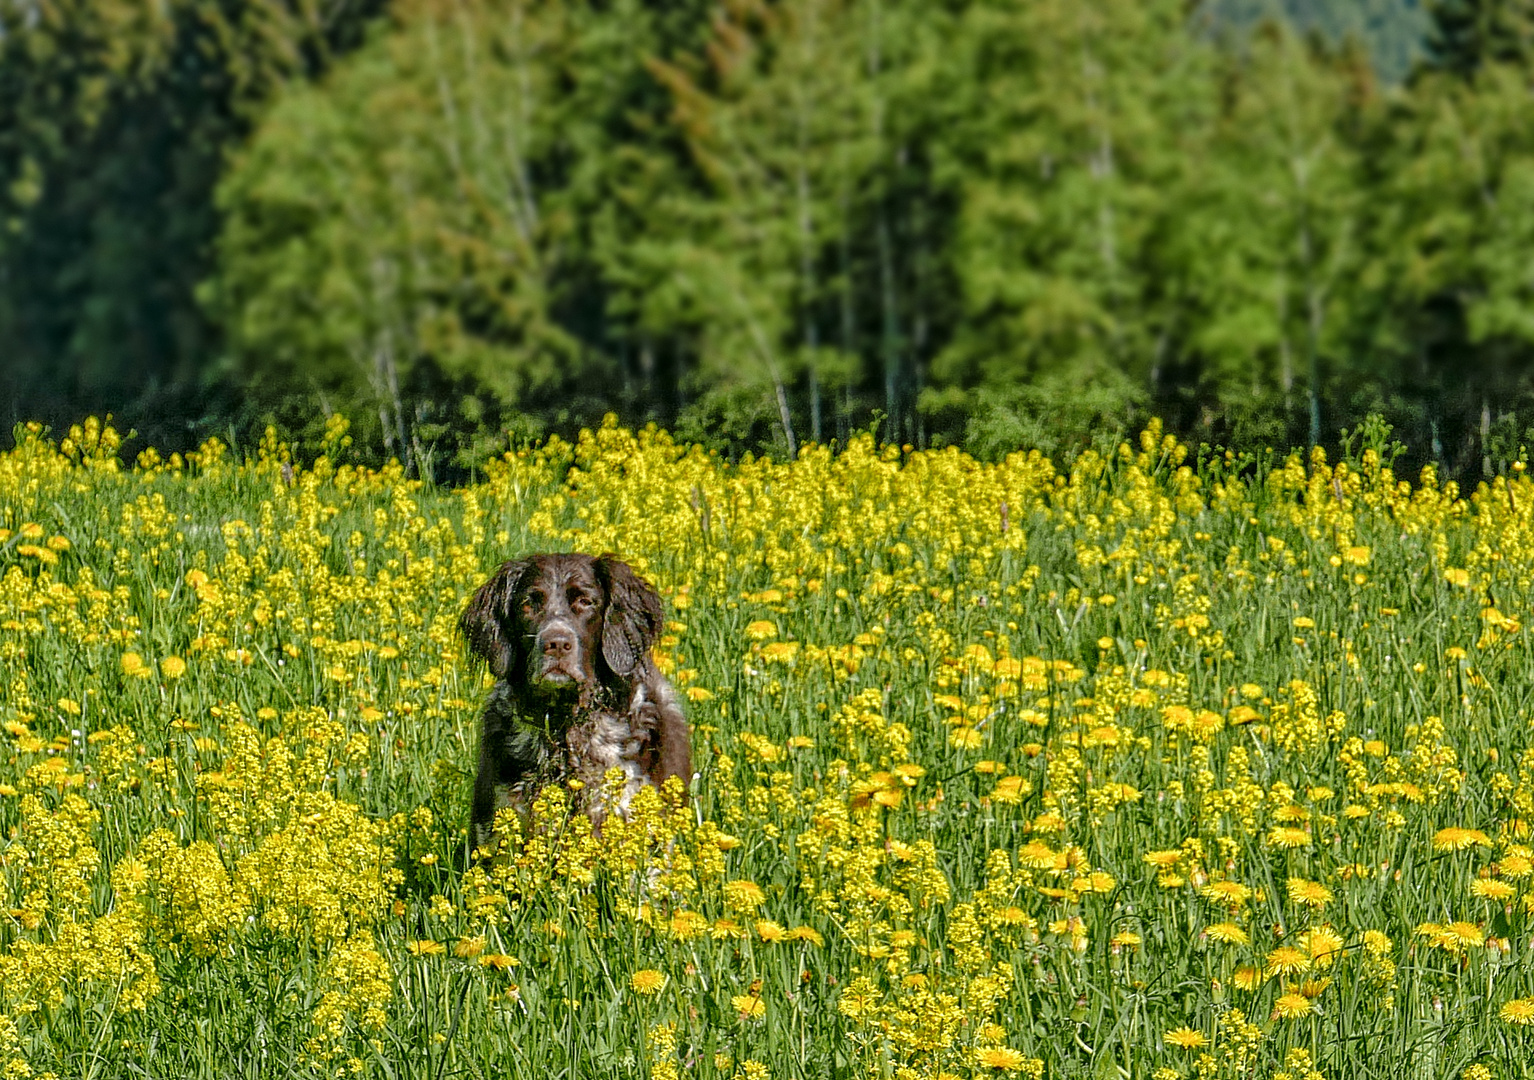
(995, 223)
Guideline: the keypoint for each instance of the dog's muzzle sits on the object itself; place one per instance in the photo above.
(558, 659)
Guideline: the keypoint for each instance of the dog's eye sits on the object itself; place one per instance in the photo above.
(582, 602)
(533, 600)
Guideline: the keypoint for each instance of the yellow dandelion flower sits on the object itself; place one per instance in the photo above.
(1228, 933)
(1187, 1038)
(1485, 889)
(744, 894)
(761, 630)
(1229, 893)
(1288, 837)
(647, 981)
(966, 738)
(1243, 714)
(1311, 894)
(1036, 855)
(1287, 960)
(1314, 988)
(1008, 790)
(1456, 838)
(425, 948)
(1519, 1011)
(807, 933)
(1001, 1058)
(1292, 1006)
(688, 924)
(1324, 945)
(1466, 934)
(1515, 866)
(749, 1007)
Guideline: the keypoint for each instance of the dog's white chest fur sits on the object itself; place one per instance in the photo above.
(611, 742)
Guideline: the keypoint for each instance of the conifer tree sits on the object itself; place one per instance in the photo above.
(413, 239)
(1466, 35)
(776, 115)
(115, 118)
(1071, 126)
(1274, 219)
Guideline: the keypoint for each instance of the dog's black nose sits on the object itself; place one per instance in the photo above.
(558, 642)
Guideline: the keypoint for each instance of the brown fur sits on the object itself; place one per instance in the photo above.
(568, 639)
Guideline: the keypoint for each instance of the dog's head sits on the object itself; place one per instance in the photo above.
(556, 624)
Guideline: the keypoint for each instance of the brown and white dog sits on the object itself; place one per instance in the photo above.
(568, 639)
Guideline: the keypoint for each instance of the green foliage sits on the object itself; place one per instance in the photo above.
(765, 223)
(1271, 228)
(1467, 34)
(411, 238)
(114, 119)
(1068, 143)
(781, 122)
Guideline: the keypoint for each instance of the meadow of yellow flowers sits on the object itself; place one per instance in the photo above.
(1152, 767)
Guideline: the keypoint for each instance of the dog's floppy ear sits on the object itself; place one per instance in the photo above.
(633, 618)
(483, 622)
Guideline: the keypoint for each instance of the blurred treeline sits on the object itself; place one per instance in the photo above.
(987, 222)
